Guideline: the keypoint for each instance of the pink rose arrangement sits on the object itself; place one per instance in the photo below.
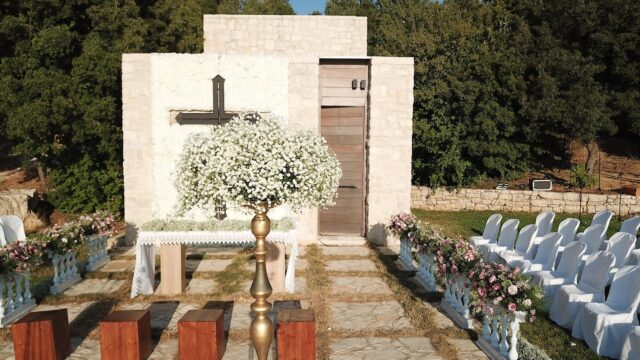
(61, 239)
(404, 224)
(496, 284)
(456, 256)
(18, 257)
(99, 223)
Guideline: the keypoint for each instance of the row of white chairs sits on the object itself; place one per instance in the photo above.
(11, 229)
(574, 273)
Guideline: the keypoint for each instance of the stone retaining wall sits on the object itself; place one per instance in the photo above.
(519, 200)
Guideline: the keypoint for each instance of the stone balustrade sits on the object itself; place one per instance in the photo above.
(98, 254)
(499, 337)
(520, 200)
(15, 298)
(65, 271)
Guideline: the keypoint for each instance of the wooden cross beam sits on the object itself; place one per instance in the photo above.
(217, 116)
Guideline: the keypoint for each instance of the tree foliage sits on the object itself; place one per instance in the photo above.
(504, 86)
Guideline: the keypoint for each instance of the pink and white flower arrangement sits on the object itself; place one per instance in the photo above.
(404, 224)
(98, 223)
(18, 257)
(456, 256)
(61, 239)
(501, 286)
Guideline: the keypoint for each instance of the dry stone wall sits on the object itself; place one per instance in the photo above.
(520, 200)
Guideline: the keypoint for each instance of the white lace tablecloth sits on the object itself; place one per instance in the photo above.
(144, 273)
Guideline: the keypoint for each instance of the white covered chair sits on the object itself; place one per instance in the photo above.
(603, 326)
(568, 228)
(494, 250)
(592, 237)
(490, 233)
(507, 237)
(13, 228)
(620, 245)
(566, 272)
(631, 346)
(545, 258)
(600, 218)
(631, 226)
(569, 299)
(3, 241)
(544, 222)
(524, 244)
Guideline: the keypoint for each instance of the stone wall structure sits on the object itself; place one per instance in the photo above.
(271, 64)
(521, 200)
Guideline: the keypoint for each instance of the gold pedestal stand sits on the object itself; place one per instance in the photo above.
(262, 326)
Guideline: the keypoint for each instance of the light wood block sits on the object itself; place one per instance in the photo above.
(42, 335)
(126, 335)
(275, 264)
(296, 334)
(201, 335)
(173, 263)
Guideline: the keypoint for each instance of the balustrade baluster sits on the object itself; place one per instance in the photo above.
(18, 281)
(486, 327)
(27, 288)
(74, 268)
(495, 338)
(10, 299)
(513, 348)
(504, 344)
(1, 299)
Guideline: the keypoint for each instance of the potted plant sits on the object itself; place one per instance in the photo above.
(258, 164)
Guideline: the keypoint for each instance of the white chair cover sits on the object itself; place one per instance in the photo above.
(3, 241)
(544, 222)
(600, 218)
(13, 228)
(523, 246)
(604, 326)
(631, 226)
(634, 257)
(631, 346)
(593, 237)
(620, 245)
(566, 272)
(494, 250)
(545, 258)
(568, 228)
(569, 299)
(507, 237)
(490, 233)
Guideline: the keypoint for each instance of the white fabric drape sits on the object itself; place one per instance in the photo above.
(631, 346)
(523, 249)
(144, 273)
(490, 233)
(571, 298)
(604, 326)
(13, 229)
(566, 272)
(545, 256)
(507, 237)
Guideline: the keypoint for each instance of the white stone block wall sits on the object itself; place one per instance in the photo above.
(520, 200)
(284, 35)
(390, 129)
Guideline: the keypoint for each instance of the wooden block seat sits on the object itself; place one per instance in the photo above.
(201, 335)
(42, 335)
(296, 334)
(126, 335)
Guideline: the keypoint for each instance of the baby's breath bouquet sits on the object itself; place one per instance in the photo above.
(258, 165)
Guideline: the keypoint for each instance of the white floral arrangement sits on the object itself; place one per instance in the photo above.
(285, 224)
(259, 165)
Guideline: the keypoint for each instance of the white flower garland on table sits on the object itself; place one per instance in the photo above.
(259, 164)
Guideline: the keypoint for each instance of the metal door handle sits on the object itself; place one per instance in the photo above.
(347, 187)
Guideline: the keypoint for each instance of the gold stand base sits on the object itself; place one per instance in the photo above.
(261, 327)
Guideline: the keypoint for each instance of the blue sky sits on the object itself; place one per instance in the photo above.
(304, 7)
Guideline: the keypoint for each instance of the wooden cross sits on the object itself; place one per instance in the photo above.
(217, 116)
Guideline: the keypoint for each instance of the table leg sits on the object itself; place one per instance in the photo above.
(172, 269)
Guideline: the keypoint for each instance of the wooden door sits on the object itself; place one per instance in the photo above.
(344, 129)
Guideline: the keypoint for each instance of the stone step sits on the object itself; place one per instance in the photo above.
(342, 240)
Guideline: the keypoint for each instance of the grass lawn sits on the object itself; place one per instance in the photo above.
(554, 340)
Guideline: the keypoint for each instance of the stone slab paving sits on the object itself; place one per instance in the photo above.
(73, 310)
(208, 264)
(442, 320)
(387, 315)
(467, 349)
(118, 266)
(201, 286)
(94, 286)
(164, 315)
(241, 350)
(345, 250)
(241, 315)
(351, 265)
(359, 285)
(301, 264)
(383, 349)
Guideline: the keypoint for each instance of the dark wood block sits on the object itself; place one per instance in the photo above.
(126, 335)
(296, 334)
(42, 335)
(201, 335)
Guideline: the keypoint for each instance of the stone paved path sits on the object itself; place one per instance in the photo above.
(366, 322)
